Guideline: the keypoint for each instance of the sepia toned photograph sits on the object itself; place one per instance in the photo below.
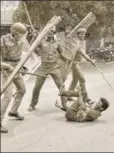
(57, 76)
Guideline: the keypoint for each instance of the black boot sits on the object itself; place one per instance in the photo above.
(16, 115)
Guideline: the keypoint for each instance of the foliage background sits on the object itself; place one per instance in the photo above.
(41, 11)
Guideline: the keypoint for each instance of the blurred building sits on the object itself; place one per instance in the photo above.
(7, 10)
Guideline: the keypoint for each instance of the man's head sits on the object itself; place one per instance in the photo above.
(51, 33)
(68, 29)
(81, 33)
(18, 30)
(102, 104)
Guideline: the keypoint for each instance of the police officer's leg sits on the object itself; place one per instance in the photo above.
(63, 68)
(42, 72)
(36, 91)
(74, 82)
(74, 79)
(82, 80)
(58, 79)
(7, 95)
(5, 100)
(19, 83)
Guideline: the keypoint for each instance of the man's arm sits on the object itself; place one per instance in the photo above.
(5, 66)
(87, 57)
(93, 114)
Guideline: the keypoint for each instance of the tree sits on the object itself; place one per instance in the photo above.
(44, 10)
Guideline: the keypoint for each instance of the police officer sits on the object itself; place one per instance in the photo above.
(50, 51)
(11, 51)
(77, 74)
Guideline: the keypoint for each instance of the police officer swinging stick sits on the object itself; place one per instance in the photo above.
(89, 18)
(86, 22)
(98, 68)
(55, 20)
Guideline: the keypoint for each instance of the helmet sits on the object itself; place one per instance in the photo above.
(19, 28)
(81, 30)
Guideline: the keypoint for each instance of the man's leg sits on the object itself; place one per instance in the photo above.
(69, 93)
(6, 99)
(63, 68)
(82, 81)
(58, 79)
(19, 83)
(36, 91)
(74, 79)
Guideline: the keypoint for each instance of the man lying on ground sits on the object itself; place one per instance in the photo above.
(80, 110)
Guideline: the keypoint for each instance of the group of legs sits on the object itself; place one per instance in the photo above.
(43, 72)
(78, 77)
(57, 77)
(7, 97)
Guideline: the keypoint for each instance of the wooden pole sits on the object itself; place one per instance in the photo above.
(85, 23)
(27, 13)
(55, 20)
(33, 74)
(30, 21)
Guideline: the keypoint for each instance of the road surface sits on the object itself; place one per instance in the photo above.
(46, 130)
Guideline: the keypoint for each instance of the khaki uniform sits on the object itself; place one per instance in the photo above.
(74, 113)
(11, 52)
(77, 73)
(49, 52)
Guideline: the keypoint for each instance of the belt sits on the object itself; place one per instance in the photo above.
(12, 60)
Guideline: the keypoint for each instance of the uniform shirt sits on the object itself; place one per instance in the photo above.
(49, 51)
(74, 113)
(82, 45)
(10, 49)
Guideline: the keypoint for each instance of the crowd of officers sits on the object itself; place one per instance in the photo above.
(51, 52)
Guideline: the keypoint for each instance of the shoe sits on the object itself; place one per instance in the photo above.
(31, 108)
(16, 115)
(64, 108)
(3, 129)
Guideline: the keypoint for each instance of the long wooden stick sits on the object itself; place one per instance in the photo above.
(28, 15)
(34, 74)
(98, 68)
(30, 21)
(55, 20)
(85, 23)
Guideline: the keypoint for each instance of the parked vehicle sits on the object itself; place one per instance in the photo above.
(106, 54)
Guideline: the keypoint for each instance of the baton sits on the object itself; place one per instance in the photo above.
(98, 68)
(34, 74)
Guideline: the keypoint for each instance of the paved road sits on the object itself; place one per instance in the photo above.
(46, 128)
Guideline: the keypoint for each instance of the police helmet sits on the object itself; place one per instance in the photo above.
(19, 28)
